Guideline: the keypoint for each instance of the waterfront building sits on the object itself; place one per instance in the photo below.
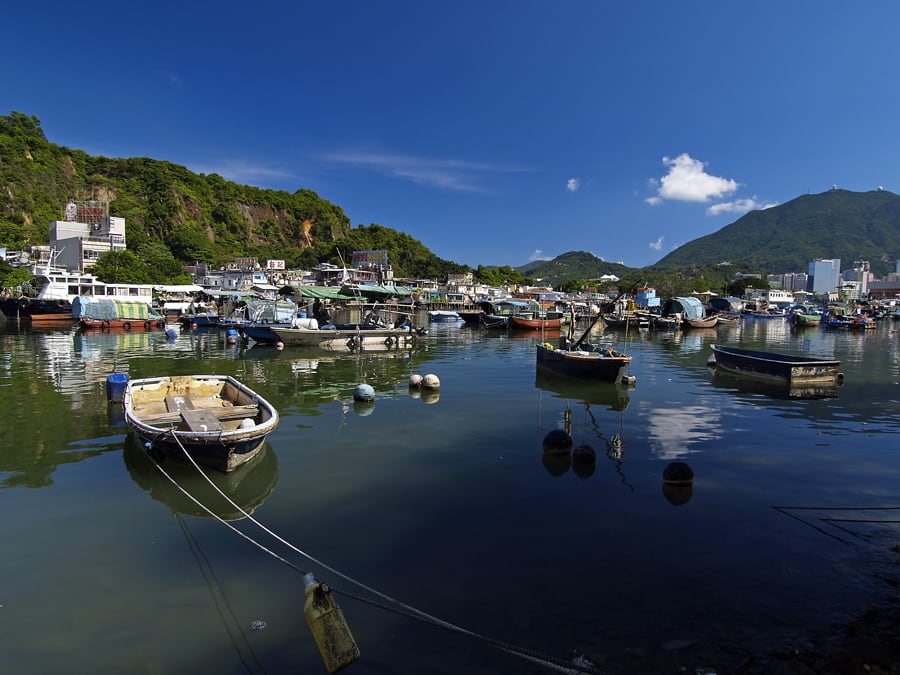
(87, 232)
(825, 276)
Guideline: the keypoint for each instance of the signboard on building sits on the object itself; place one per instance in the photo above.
(275, 264)
(370, 258)
(90, 212)
(246, 263)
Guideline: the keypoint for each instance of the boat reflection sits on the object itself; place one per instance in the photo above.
(613, 396)
(248, 487)
(583, 426)
(748, 385)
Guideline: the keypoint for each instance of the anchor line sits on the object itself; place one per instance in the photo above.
(209, 575)
(399, 607)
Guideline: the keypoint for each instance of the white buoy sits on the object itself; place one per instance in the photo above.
(364, 392)
(415, 381)
(431, 381)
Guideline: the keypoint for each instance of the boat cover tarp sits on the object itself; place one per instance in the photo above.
(691, 308)
(105, 309)
(324, 292)
(375, 291)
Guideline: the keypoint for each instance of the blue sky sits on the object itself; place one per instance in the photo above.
(495, 132)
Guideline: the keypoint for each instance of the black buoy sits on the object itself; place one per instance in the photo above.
(678, 483)
(584, 454)
(678, 473)
(557, 442)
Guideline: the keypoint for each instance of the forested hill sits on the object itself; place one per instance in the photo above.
(834, 224)
(174, 216)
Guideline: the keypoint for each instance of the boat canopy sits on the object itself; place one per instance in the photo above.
(690, 308)
(376, 292)
(324, 292)
(178, 288)
(104, 309)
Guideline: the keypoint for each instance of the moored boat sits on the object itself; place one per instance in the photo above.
(218, 421)
(801, 320)
(443, 316)
(307, 333)
(585, 363)
(48, 296)
(548, 322)
(772, 367)
(116, 314)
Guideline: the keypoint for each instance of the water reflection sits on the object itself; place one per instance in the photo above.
(248, 488)
(581, 425)
(775, 390)
(673, 431)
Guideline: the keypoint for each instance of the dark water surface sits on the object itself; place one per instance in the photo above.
(446, 503)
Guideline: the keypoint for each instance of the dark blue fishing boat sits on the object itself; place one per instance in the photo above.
(780, 368)
(585, 363)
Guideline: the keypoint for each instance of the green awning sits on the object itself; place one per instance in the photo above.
(324, 292)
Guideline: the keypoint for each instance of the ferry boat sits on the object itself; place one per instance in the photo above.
(49, 293)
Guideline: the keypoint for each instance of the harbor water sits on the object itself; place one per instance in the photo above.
(443, 529)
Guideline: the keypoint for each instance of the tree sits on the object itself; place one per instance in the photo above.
(11, 277)
(121, 267)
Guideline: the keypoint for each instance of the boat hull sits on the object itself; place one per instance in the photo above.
(37, 309)
(124, 325)
(593, 366)
(706, 322)
(535, 324)
(156, 411)
(352, 338)
(779, 368)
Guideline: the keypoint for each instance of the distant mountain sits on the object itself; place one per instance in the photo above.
(570, 266)
(834, 224)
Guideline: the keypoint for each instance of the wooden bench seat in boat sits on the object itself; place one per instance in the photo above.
(220, 413)
(201, 420)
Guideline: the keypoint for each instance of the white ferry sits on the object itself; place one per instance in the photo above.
(49, 294)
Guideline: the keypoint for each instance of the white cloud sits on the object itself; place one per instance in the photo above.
(656, 245)
(449, 174)
(738, 206)
(240, 171)
(688, 181)
(573, 184)
(538, 255)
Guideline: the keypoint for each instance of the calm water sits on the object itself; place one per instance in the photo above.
(446, 503)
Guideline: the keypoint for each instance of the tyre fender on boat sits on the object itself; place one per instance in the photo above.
(126, 325)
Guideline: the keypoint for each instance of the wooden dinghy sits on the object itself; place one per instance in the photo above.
(220, 422)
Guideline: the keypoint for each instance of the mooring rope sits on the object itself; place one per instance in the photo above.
(574, 667)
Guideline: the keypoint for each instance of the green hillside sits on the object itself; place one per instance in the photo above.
(174, 216)
(840, 224)
(571, 266)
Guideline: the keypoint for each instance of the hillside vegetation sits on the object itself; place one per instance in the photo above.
(171, 211)
(175, 217)
(834, 224)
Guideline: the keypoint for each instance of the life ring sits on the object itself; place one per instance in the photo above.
(126, 325)
(62, 303)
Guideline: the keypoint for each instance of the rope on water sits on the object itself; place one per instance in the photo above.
(400, 608)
